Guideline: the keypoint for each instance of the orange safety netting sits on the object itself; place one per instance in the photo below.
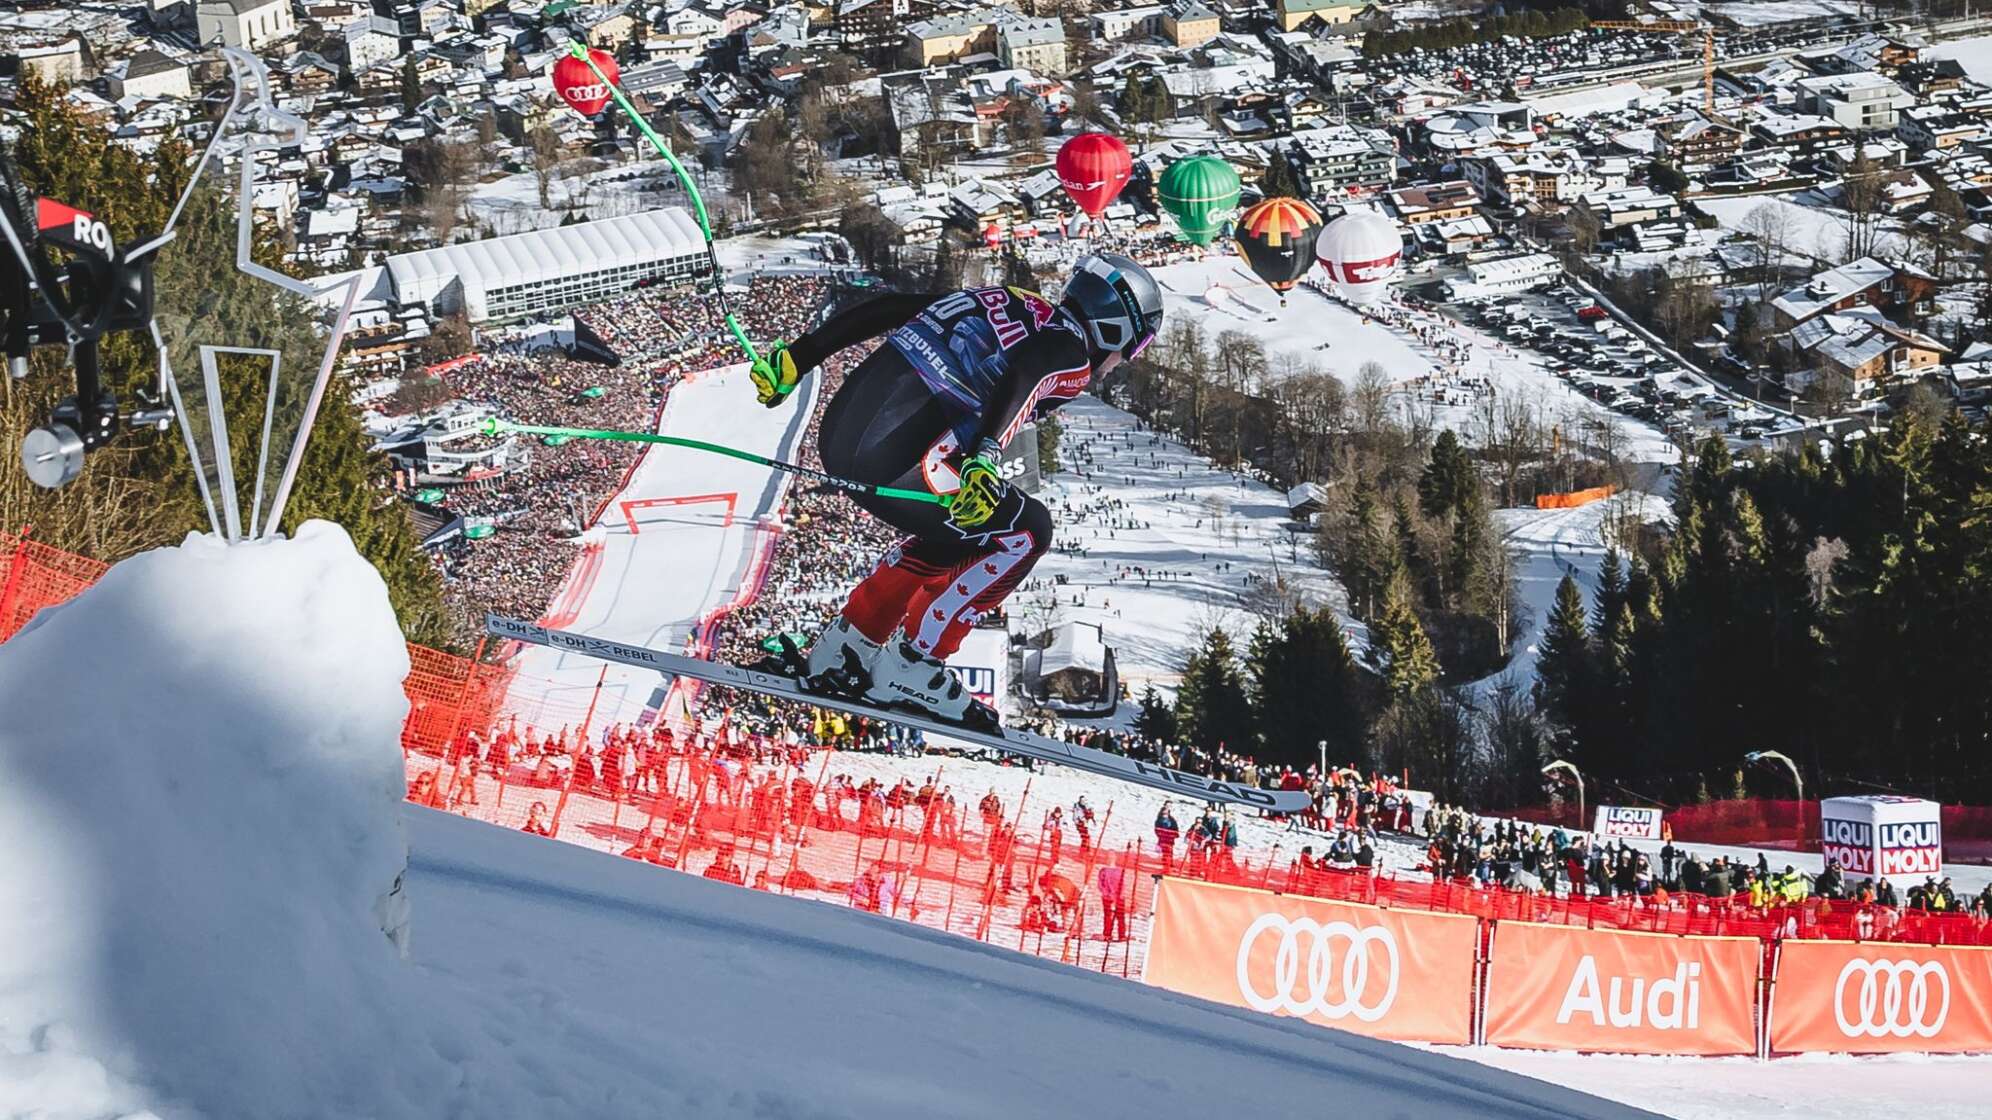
(33, 576)
(1575, 498)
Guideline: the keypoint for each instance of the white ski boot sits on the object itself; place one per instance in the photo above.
(840, 660)
(904, 677)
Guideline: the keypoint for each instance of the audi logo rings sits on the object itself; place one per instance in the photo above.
(1319, 943)
(1894, 998)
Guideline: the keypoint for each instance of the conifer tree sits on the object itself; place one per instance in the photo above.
(1212, 708)
(1307, 687)
(1400, 649)
(1611, 592)
(1156, 720)
(1564, 662)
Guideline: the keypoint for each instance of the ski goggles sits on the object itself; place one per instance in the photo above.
(1144, 331)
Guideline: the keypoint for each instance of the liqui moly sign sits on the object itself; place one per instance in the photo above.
(1627, 821)
(1850, 843)
(1899, 838)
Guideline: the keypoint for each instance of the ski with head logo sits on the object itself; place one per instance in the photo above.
(1006, 739)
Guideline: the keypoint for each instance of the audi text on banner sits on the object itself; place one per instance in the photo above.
(1395, 974)
(1565, 988)
(1877, 997)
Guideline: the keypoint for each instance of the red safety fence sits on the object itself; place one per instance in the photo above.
(33, 576)
(1773, 823)
(777, 819)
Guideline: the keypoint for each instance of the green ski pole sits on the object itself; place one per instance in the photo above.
(580, 50)
(495, 426)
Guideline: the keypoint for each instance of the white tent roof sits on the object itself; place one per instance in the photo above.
(546, 254)
(1074, 645)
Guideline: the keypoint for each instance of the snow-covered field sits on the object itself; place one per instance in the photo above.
(511, 204)
(1814, 227)
(682, 561)
(1766, 13)
(1975, 55)
(1209, 544)
(1445, 371)
(1326, 331)
(1811, 1086)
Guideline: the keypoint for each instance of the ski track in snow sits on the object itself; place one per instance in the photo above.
(654, 586)
(1221, 518)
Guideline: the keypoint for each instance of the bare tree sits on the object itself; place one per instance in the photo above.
(1770, 223)
(1863, 192)
(1512, 437)
(543, 149)
(1023, 124)
(1370, 399)
(1087, 104)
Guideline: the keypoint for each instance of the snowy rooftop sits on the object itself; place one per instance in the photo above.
(547, 254)
(1827, 288)
(1074, 645)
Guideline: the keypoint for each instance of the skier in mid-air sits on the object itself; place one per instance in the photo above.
(959, 375)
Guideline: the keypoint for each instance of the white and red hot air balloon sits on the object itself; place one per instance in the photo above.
(1093, 167)
(1361, 252)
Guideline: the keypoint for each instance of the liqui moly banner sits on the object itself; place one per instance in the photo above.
(1566, 988)
(1405, 975)
(1897, 838)
(1627, 821)
(1876, 997)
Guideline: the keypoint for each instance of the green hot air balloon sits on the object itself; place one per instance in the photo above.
(1201, 193)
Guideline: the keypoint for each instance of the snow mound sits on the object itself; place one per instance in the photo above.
(199, 788)
(200, 827)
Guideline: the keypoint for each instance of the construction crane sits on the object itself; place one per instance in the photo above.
(1677, 27)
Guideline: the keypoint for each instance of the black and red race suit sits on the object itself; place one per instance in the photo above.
(957, 370)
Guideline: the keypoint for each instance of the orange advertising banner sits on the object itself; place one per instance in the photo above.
(1405, 975)
(1566, 988)
(1877, 997)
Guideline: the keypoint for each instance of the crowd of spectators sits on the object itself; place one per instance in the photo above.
(1515, 855)
(551, 491)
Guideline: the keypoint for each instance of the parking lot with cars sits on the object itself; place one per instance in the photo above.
(1601, 358)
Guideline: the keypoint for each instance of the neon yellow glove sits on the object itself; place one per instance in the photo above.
(775, 376)
(981, 489)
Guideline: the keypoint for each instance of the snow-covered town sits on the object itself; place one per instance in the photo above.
(884, 557)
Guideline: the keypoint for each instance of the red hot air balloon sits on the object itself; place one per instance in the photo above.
(1093, 167)
(579, 87)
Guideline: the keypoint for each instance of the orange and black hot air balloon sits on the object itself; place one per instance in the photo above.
(1276, 237)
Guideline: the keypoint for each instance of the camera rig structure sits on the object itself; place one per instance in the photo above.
(65, 281)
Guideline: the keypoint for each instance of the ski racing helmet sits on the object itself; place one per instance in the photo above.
(1119, 303)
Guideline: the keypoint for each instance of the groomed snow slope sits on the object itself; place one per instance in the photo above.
(652, 587)
(738, 1003)
(196, 860)
(1206, 538)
